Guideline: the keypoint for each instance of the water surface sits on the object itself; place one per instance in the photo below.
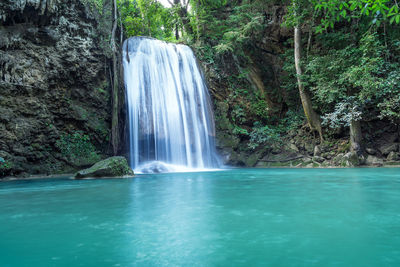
(242, 217)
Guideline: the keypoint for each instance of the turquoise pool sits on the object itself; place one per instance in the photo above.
(239, 217)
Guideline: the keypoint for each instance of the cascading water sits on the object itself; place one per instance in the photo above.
(170, 116)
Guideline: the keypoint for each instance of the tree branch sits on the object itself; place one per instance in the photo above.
(186, 4)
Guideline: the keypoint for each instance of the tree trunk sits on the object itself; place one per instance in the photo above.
(198, 20)
(115, 85)
(176, 32)
(313, 118)
(185, 20)
(355, 136)
(182, 9)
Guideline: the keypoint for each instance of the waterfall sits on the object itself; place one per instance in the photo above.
(169, 110)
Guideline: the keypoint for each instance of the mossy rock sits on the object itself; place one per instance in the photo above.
(251, 160)
(111, 167)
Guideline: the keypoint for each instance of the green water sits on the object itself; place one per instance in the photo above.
(243, 217)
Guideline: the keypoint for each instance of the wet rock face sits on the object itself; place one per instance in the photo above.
(7, 7)
(52, 82)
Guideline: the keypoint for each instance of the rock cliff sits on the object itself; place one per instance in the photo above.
(54, 93)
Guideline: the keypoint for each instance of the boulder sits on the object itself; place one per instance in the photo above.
(337, 160)
(111, 167)
(251, 160)
(374, 161)
(370, 151)
(311, 165)
(155, 167)
(317, 151)
(307, 160)
(362, 159)
(293, 147)
(387, 148)
(393, 156)
(352, 158)
(318, 159)
(309, 148)
(326, 155)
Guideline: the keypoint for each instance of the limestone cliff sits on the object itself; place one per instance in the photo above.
(54, 93)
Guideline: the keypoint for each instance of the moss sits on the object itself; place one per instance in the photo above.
(111, 167)
(251, 161)
(297, 162)
(354, 159)
(227, 140)
(392, 163)
(279, 164)
(221, 116)
(325, 164)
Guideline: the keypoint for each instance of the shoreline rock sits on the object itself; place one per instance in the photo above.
(114, 167)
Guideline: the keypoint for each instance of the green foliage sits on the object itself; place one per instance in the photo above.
(146, 18)
(263, 135)
(351, 72)
(292, 121)
(206, 54)
(389, 96)
(260, 108)
(77, 148)
(239, 131)
(378, 11)
(5, 167)
(95, 4)
(239, 114)
(245, 24)
(298, 12)
(205, 22)
(345, 112)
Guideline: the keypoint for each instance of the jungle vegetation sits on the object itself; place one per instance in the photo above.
(341, 63)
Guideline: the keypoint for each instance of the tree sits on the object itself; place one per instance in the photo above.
(379, 12)
(333, 11)
(295, 17)
(146, 18)
(181, 10)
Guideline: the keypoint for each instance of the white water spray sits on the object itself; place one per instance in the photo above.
(169, 110)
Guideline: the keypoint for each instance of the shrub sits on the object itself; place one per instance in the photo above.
(77, 148)
(263, 135)
(5, 167)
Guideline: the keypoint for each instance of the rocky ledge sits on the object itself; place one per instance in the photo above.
(114, 167)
